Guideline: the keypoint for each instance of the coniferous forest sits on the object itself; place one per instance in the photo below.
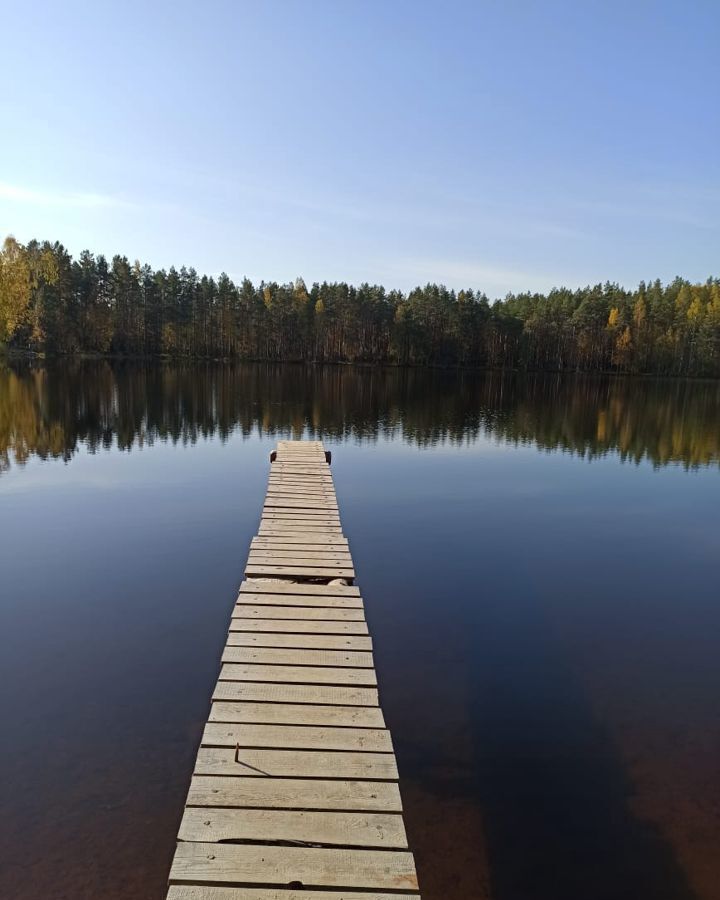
(54, 304)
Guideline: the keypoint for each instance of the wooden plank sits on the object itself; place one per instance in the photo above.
(315, 481)
(297, 714)
(295, 693)
(258, 792)
(208, 892)
(297, 674)
(301, 514)
(308, 499)
(310, 523)
(277, 656)
(299, 550)
(298, 626)
(271, 558)
(300, 510)
(305, 504)
(258, 570)
(318, 479)
(302, 506)
(297, 737)
(331, 543)
(300, 600)
(302, 531)
(317, 556)
(310, 641)
(290, 486)
(314, 867)
(339, 829)
(316, 525)
(284, 587)
(329, 613)
(302, 471)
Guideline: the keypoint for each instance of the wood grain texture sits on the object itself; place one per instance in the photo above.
(264, 763)
(281, 587)
(340, 829)
(295, 693)
(292, 657)
(322, 613)
(298, 626)
(298, 674)
(297, 714)
(300, 737)
(256, 791)
(315, 867)
(309, 641)
(309, 571)
(207, 892)
(306, 600)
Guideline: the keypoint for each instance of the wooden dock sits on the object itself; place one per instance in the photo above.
(295, 791)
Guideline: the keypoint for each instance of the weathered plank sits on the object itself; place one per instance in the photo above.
(298, 626)
(207, 892)
(299, 737)
(266, 762)
(309, 641)
(258, 570)
(295, 693)
(263, 558)
(284, 587)
(290, 600)
(298, 674)
(291, 486)
(301, 531)
(212, 787)
(316, 555)
(340, 829)
(297, 714)
(329, 613)
(290, 657)
(330, 544)
(314, 867)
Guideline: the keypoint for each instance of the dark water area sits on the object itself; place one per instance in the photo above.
(539, 558)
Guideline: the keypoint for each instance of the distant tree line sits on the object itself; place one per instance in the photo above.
(52, 303)
(52, 409)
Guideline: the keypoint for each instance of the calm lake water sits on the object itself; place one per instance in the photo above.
(540, 562)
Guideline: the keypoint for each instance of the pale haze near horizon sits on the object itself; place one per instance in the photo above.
(497, 146)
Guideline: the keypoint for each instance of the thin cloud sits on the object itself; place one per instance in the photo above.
(75, 199)
(493, 280)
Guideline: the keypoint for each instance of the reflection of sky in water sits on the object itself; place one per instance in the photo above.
(545, 633)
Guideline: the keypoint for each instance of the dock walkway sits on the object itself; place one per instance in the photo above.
(295, 792)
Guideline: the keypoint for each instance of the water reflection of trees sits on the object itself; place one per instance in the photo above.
(49, 412)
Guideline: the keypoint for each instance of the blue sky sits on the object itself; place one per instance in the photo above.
(496, 145)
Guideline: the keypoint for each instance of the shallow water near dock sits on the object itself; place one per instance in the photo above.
(539, 559)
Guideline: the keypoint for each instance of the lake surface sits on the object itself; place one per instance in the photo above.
(540, 561)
